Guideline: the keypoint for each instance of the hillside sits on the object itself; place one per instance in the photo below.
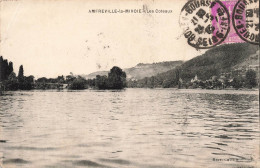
(142, 70)
(94, 74)
(251, 61)
(214, 62)
(220, 59)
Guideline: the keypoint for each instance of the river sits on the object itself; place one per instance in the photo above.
(133, 128)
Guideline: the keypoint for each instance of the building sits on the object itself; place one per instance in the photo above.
(195, 79)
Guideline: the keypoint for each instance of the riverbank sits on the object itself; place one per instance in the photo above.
(215, 91)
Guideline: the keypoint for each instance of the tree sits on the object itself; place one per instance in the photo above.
(91, 82)
(238, 82)
(5, 69)
(70, 78)
(150, 82)
(60, 79)
(20, 74)
(77, 84)
(29, 79)
(167, 83)
(251, 78)
(12, 82)
(101, 82)
(10, 69)
(42, 80)
(116, 78)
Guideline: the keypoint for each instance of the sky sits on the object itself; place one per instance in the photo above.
(56, 37)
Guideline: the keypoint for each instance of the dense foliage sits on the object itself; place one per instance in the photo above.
(116, 79)
(251, 79)
(5, 69)
(10, 81)
(78, 84)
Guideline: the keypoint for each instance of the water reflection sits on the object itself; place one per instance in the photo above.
(131, 128)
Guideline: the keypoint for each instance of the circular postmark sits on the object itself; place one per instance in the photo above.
(206, 23)
(245, 20)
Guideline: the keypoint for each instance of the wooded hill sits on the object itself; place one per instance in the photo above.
(214, 62)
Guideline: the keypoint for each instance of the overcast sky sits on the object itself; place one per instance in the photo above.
(52, 37)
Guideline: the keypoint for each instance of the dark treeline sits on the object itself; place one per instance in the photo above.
(237, 81)
(9, 80)
(116, 79)
(5, 69)
(49, 83)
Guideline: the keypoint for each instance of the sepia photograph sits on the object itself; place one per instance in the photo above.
(129, 84)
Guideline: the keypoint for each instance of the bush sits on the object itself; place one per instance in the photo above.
(251, 78)
(116, 79)
(77, 84)
(11, 85)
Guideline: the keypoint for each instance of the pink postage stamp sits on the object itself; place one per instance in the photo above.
(232, 35)
(207, 23)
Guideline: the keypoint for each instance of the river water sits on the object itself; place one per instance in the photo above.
(134, 128)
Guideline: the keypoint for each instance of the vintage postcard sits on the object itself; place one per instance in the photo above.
(129, 84)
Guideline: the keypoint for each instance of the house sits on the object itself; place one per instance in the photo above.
(195, 79)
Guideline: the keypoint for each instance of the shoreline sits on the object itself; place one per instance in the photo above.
(159, 88)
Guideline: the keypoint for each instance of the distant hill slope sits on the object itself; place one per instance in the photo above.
(251, 61)
(94, 74)
(142, 70)
(220, 59)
